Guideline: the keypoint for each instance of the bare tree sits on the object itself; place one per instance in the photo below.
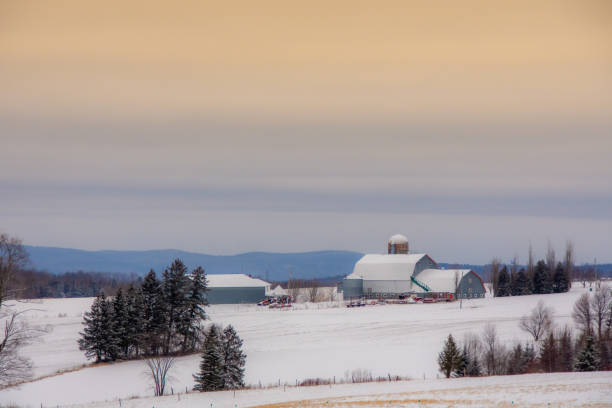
(495, 266)
(15, 332)
(158, 371)
(582, 313)
(550, 257)
(313, 291)
(538, 323)
(13, 257)
(331, 293)
(493, 351)
(530, 262)
(293, 288)
(600, 306)
(568, 265)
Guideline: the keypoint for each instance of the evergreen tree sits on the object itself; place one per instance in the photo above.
(234, 359)
(541, 279)
(503, 283)
(449, 358)
(566, 350)
(112, 349)
(588, 357)
(210, 376)
(548, 354)
(154, 313)
(121, 323)
(521, 285)
(93, 337)
(513, 282)
(136, 322)
(560, 282)
(175, 287)
(190, 326)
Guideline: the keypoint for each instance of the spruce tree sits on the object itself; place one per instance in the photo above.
(548, 354)
(154, 313)
(521, 285)
(136, 322)
(210, 376)
(588, 357)
(449, 358)
(234, 359)
(503, 283)
(175, 288)
(566, 350)
(112, 349)
(93, 337)
(560, 282)
(541, 279)
(190, 326)
(121, 323)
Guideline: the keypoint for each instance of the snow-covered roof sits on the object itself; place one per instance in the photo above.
(386, 266)
(233, 280)
(398, 239)
(277, 291)
(441, 280)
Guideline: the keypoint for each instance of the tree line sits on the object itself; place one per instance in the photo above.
(541, 277)
(589, 348)
(33, 284)
(161, 317)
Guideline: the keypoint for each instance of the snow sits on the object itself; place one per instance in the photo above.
(281, 345)
(398, 239)
(233, 280)
(385, 266)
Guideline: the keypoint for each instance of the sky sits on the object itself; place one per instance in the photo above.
(473, 128)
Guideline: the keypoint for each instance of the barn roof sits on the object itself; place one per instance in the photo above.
(386, 266)
(233, 280)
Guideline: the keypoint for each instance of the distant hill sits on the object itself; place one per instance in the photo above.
(269, 266)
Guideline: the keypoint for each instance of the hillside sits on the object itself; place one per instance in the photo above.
(270, 266)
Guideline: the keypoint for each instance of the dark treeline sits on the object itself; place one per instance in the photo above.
(589, 348)
(158, 317)
(33, 284)
(541, 277)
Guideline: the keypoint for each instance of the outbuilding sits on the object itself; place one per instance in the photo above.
(235, 288)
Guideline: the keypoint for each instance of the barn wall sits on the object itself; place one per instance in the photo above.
(235, 295)
(352, 288)
(387, 286)
(470, 286)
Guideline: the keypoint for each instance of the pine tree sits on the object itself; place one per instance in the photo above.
(588, 357)
(503, 283)
(121, 323)
(136, 322)
(548, 354)
(521, 285)
(541, 279)
(566, 350)
(210, 376)
(234, 359)
(92, 339)
(154, 313)
(175, 287)
(190, 323)
(449, 358)
(560, 282)
(112, 349)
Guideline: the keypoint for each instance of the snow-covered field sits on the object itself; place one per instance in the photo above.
(282, 345)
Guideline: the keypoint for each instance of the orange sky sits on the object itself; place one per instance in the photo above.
(314, 59)
(333, 118)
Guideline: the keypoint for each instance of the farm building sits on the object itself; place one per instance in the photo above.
(235, 288)
(400, 273)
